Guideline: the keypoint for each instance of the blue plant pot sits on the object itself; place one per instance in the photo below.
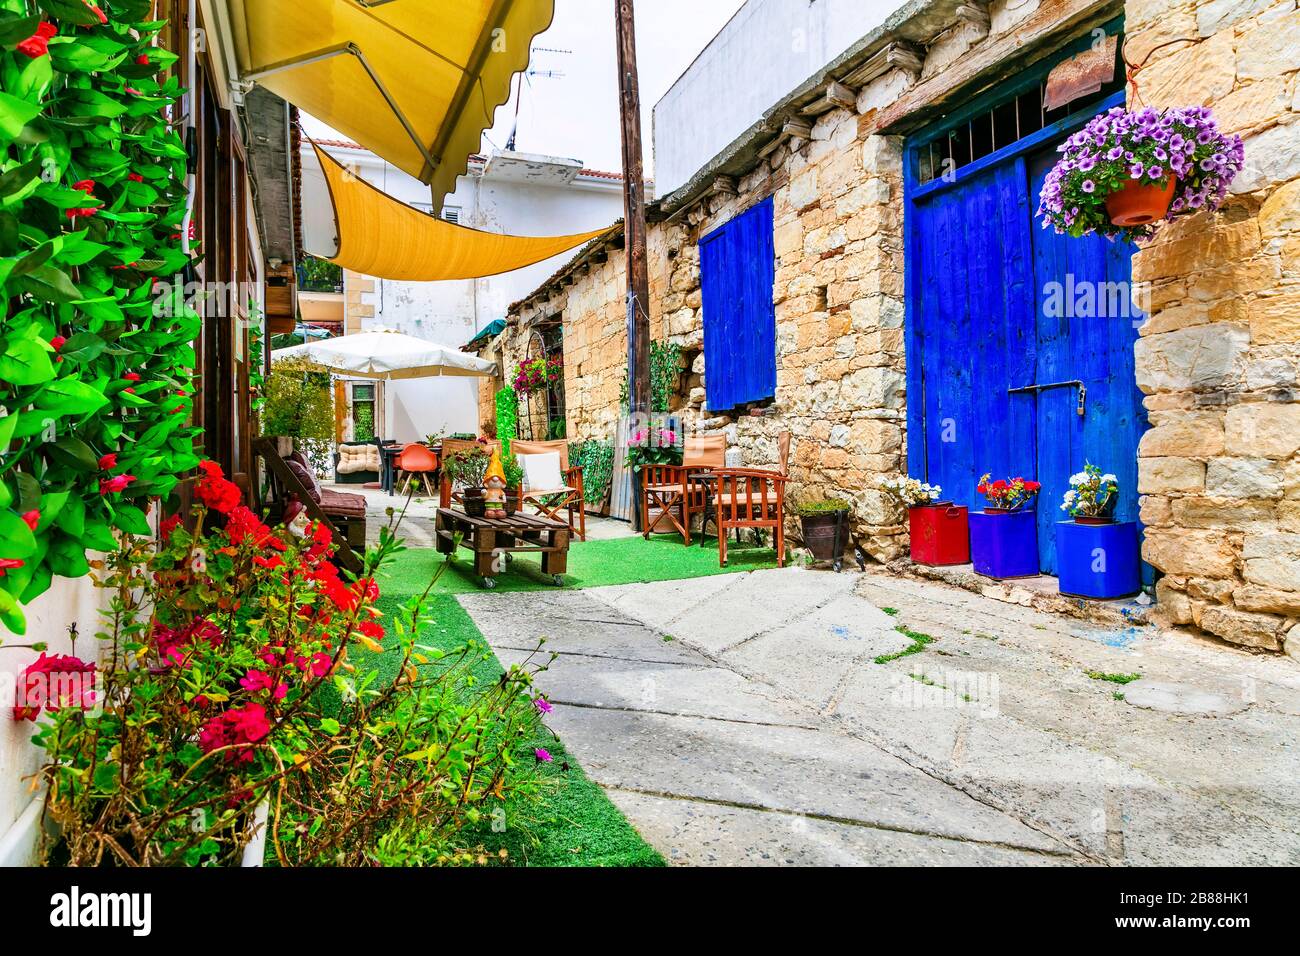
(1098, 560)
(1004, 544)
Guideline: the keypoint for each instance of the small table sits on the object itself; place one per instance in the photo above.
(495, 541)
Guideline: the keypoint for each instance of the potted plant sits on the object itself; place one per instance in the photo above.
(653, 446)
(1097, 556)
(514, 482)
(1125, 171)
(938, 531)
(825, 529)
(1004, 536)
(466, 467)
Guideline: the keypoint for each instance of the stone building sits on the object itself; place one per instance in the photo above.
(1196, 406)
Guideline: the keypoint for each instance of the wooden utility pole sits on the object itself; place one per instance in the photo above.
(638, 278)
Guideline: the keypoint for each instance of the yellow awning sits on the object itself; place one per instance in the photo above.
(380, 236)
(414, 81)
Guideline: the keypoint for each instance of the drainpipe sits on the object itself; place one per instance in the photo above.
(191, 124)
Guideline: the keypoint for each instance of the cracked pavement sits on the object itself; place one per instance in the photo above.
(768, 718)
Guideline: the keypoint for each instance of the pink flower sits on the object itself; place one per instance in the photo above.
(543, 705)
(53, 682)
(254, 681)
(239, 726)
(542, 754)
(115, 484)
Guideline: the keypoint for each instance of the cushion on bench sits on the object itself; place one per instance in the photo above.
(341, 503)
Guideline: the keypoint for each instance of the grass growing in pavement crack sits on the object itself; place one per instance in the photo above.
(891, 611)
(1114, 678)
(1118, 695)
(918, 639)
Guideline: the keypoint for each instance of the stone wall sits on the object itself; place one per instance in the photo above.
(1219, 355)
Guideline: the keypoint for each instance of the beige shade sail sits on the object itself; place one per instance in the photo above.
(414, 81)
(380, 236)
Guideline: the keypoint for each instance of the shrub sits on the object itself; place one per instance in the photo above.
(237, 672)
(596, 459)
(300, 405)
(827, 506)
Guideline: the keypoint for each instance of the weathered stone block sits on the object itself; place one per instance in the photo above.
(1173, 604)
(1154, 511)
(1275, 318)
(1247, 628)
(1217, 14)
(1164, 475)
(1206, 554)
(1272, 156)
(1224, 513)
(1251, 597)
(1195, 75)
(1272, 42)
(1196, 435)
(1263, 429)
(1272, 560)
(1196, 358)
(1243, 478)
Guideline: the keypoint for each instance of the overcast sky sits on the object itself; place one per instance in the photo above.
(576, 115)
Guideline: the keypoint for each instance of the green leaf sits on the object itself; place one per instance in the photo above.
(329, 725)
(131, 519)
(50, 285)
(98, 536)
(14, 29)
(74, 11)
(11, 614)
(39, 583)
(51, 506)
(83, 347)
(69, 396)
(73, 452)
(72, 516)
(16, 113)
(7, 426)
(67, 558)
(25, 362)
(16, 539)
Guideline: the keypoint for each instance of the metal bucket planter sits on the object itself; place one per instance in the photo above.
(826, 535)
(939, 534)
(1004, 544)
(1098, 560)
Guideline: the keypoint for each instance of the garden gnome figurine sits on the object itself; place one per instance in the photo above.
(494, 487)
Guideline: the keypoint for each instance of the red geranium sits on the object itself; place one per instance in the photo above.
(239, 725)
(214, 490)
(173, 643)
(53, 682)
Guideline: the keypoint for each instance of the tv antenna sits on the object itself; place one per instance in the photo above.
(527, 76)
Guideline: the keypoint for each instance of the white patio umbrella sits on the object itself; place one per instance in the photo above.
(387, 355)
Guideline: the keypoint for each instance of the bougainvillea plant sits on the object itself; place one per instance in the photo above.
(537, 374)
(1146, 147)
(95, 362)
(239, 667)
(1008, 494)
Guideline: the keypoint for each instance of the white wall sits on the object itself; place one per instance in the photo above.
(48, 617)
(766, 50)
(451, 312)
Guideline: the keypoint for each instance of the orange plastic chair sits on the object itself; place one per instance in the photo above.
(416, 459)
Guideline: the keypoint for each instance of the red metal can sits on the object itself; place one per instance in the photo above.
(940, 534)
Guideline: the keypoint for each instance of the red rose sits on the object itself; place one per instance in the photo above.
(7, 563)
(131, 376)
(135, 177)
(34, 47)
(108, 462)
(115, 484)
(57, 342)
(142, 59)
(32, 518)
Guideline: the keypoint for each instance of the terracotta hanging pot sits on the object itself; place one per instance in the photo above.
(1136, 203)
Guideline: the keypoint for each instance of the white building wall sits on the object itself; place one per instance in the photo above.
(451, 312)
(766, 50)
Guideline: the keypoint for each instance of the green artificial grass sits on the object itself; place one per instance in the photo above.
(574, 824)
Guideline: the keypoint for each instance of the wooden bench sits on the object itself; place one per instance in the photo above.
(343, 513)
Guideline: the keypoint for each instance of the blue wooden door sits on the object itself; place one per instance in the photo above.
(972, 318)
(737, 269)
(1086, 329)
(987, 332)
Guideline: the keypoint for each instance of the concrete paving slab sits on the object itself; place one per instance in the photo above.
(572, 623)
(1180, 698)
(810, 657)
(664, 601)
(790, 769)
(690, 833)
(756, 602)
(659, 688)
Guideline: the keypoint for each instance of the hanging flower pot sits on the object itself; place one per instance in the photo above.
(1126, 171)
(1136, 203)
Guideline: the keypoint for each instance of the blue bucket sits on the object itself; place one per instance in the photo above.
(1004, 544)
(1098, 560)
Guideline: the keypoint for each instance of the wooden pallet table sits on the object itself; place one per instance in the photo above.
(495, 541)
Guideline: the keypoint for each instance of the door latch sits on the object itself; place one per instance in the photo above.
(1080, 404)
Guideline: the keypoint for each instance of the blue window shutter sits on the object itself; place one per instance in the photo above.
(737, 270)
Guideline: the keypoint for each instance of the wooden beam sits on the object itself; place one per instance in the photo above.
(797, 129)
(897, 56)
(833, 95)
(975, 13)
(723, 185)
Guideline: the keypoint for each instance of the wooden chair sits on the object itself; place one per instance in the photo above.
(343, 513)
(676, 488)
(753, 498)
(569, 497)
(447, 494)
